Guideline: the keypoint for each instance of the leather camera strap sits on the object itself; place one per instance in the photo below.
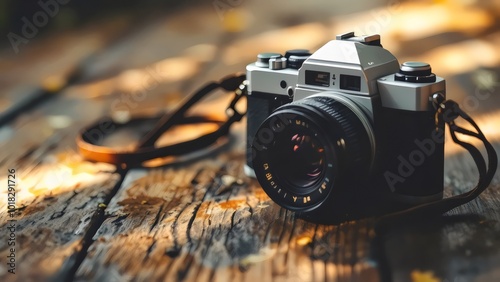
(146, 149)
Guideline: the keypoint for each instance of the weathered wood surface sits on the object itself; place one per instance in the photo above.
(207, 221)
(172, 224)
(204, 220)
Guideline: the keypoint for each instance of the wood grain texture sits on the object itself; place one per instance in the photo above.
(171, 224)
(57, 192)
(50, 229)
(60, 196)
(57, 196)
(207, 222)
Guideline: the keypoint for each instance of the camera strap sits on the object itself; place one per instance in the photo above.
(146, 150)
(448, 112)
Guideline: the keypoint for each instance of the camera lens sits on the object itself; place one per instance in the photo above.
(305, 150)
(300, 156)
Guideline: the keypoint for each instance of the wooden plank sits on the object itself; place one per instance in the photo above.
(56, 201)
(171, 224)
(42, 251)
(59, 193)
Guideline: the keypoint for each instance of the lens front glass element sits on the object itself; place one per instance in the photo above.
(299, 158)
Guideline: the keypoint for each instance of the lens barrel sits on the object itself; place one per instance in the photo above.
(302, 151)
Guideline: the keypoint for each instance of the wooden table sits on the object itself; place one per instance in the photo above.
(203, 220)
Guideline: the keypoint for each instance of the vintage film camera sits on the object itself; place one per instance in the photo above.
(346, 132)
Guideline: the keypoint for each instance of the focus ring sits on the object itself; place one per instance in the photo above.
(353, 133)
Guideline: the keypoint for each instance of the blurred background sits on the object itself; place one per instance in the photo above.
(106, 53)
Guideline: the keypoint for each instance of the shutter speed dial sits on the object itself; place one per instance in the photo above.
(297, 57)
(417, 72)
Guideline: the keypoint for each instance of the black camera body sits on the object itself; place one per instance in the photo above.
(346, 132)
